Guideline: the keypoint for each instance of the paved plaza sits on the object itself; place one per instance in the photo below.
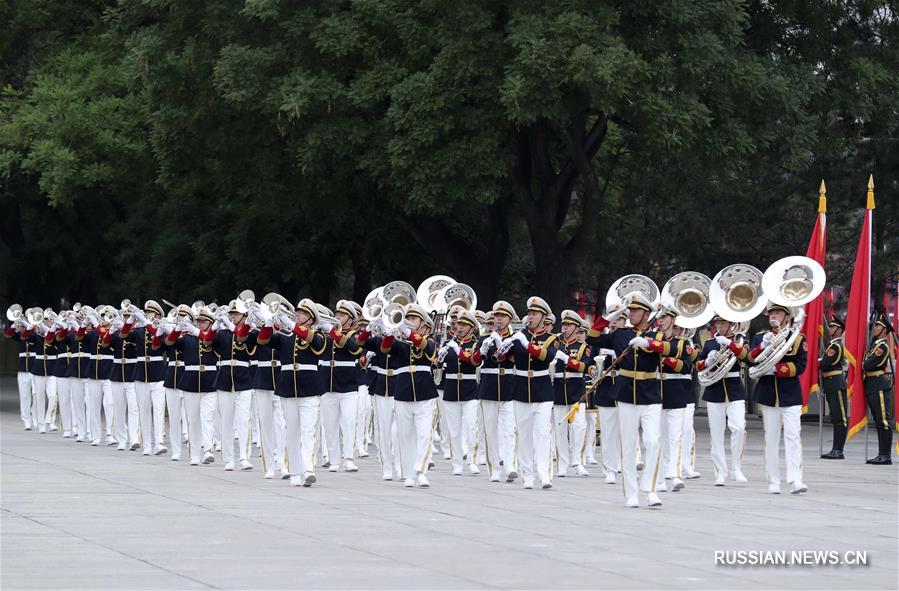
(82, 517)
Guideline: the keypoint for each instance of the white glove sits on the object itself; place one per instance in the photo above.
(485, 347)
(723, 340)
(286, 321)
(766, 339)
(72, 324)
(519, 336)
(710, 358)
(405, 330)
(562, 356)
(191, 329)
(497, 340)
(117, 325)
(26, 324)
(93, 319)
(163, 329)
(140, 317)
(269, 320)
(326, 326)
(226, 322)
(454, 346)
(639, 342)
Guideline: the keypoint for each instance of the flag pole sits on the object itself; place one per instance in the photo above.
(822, 209)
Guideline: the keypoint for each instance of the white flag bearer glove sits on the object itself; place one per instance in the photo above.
(639, 342)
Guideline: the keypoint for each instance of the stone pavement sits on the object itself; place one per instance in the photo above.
(81, 517)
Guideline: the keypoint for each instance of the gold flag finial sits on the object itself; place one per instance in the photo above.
(822, 198)
(870, 204)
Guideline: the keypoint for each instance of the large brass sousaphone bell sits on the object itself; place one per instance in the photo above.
(687, 293)
(618, 293)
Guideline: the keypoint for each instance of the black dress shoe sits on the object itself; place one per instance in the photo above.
(881, 461)
(833, 454)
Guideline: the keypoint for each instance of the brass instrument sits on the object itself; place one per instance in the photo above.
(736, 294)
(687, 293)
(623, 287)
(791, 282)
(274, 304)
(14, 313)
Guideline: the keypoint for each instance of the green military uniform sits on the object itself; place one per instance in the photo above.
(833, 384)
(878, 368)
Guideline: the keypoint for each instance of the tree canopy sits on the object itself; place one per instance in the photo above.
(155, 148)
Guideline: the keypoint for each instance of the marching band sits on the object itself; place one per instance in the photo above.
(410, 367)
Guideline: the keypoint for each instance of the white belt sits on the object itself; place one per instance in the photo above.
(460, 376)
(95, 357)
(176, 364)
(80, 354)
(497, 371)
(402, 370)
(234, 363)
(199, 367)
(148, 358)
(126, 361)
(733, 374)
(573, 374)
(676, 376)
(532, 373)
(266, 363)
(299, 367)
(45, 357)
(337, 363)
(29, 354)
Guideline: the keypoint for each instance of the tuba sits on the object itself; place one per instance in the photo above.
(792, 282)
(14, 313)
(687, 294)
(736, 294)
(618, 293)
(426, 295)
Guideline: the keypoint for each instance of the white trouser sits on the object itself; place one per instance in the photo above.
(79, 421)
(151, 409)
(670, 435)
(265, 410)
(94, 405)
(386, 438)
(734, 415)
(569, 437)
(414, 426)
(462, 430)
(339, 414)
(234, 408)
(788, 416)
(26, 397)
(590, 419)
(610, 439)
(533, 420)
(108, 410)
(134, 434)
(199, 408)
(688, 439)
(631, 418)
(280, 425)
(118, 392)
(40, 399)
(173, 402)
(363, 416)
(52, 400)
(499, 431)
(482, 439)
(64, 393)
(301, 416)
(441, 424)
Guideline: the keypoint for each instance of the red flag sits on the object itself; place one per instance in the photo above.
(856, 335)
(895, 358)
(813, 327)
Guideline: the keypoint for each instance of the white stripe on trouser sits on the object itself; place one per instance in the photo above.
(414, 424)
(40, 399)
(26, 397)
(134, 434)
(610, 439)
(788, 416)
(462, 424)
(385, 435)
(265, 410)
(108, 410)
(119, 394)
(339, 413)
(151, 406)
(199, 408)
(732, 415)
(234, 408)
(64, 393)
(363, 416)
(52, 401)
(79, 420)
(301, 416)
(94, 405)
(499, 430)
(631, 418)
(590, 420)
(670, 435)
(534, 438)
(569, 436)
(688, 443)
(173, 404)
